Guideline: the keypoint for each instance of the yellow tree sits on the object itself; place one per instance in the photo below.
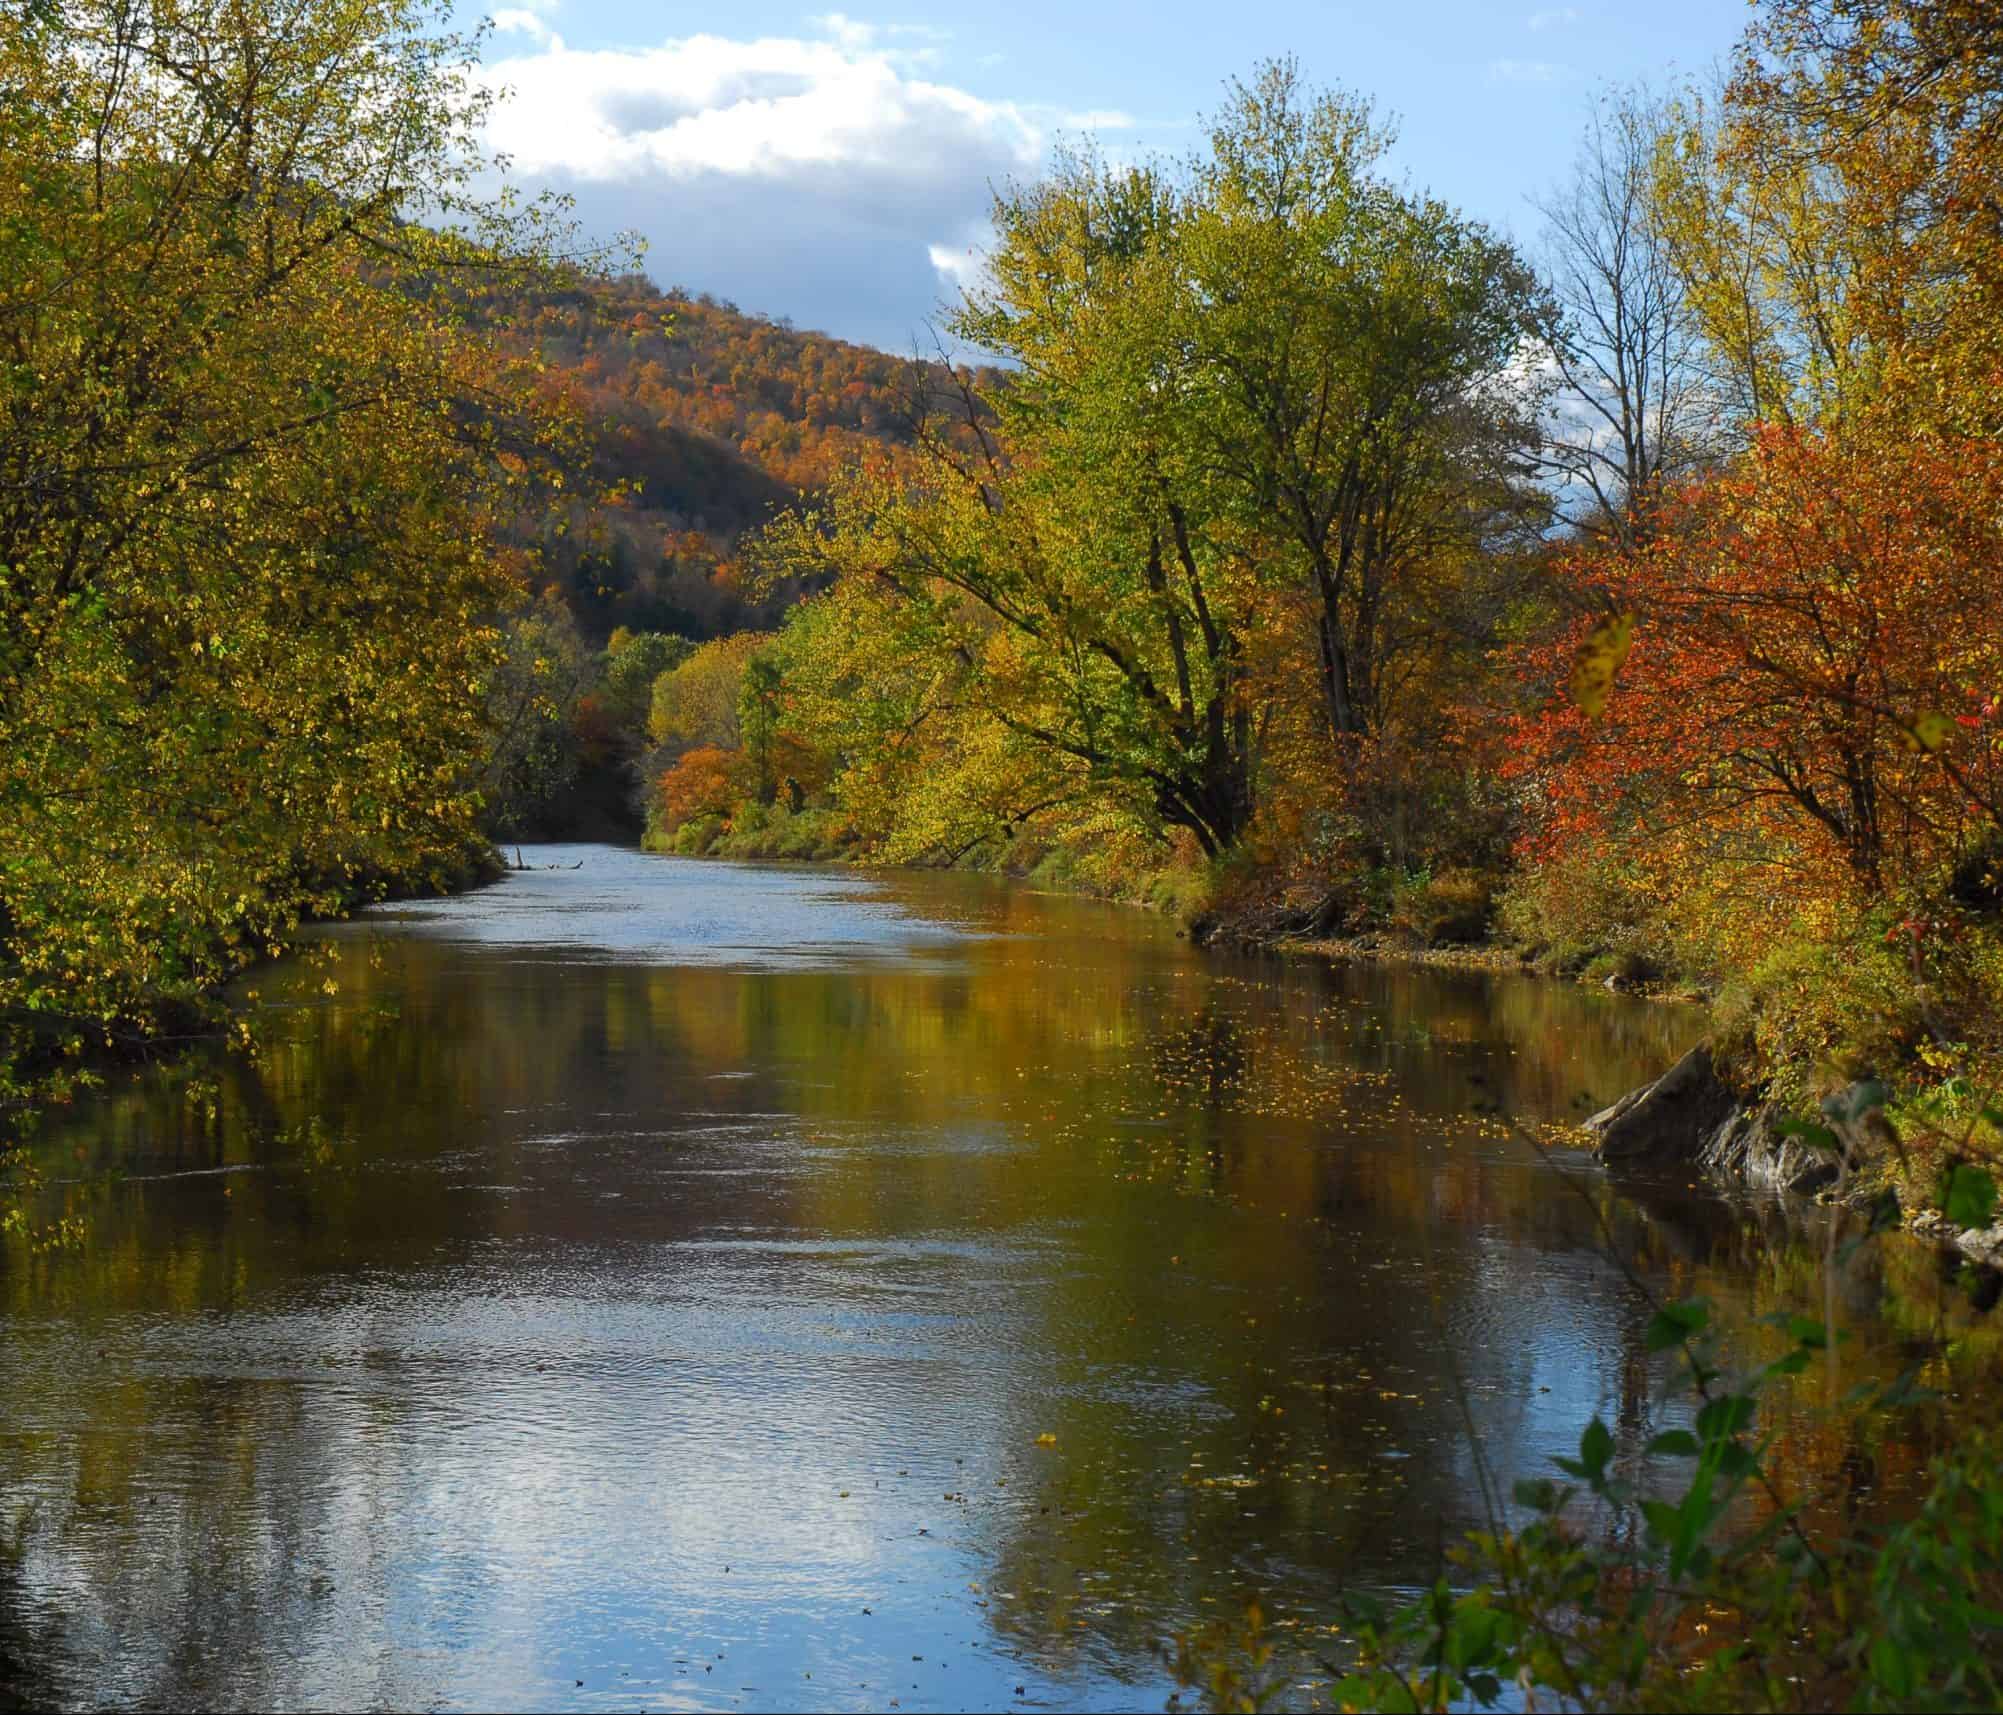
(248, 459)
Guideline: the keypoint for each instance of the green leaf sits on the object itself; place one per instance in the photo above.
(1735, 1459)
(1663, 1521)
(1537, 1493)
(1968, 1195)
(1724, 1417)
(1676, 1443)
(1596, 1447)
(1675, 1323)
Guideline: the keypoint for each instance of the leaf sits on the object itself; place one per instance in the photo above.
(1931, 730)
(1596, 1447)
(1724, 1417)
(1676, 1443)
(1663, 1521)
(1598, 661)
(1675, 1323)
(1968, 1195)
(1736, 1459)
(1538, 1493)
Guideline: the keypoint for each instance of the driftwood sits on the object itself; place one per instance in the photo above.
(518, 864)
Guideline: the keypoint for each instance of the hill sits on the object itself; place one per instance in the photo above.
(710, 419)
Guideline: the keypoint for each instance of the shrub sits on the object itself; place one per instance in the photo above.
(1583, 904)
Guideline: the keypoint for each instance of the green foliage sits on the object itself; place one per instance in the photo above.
(250, 465)
(1265, 379)
(532, 694)
(1697, 1585)
(1968, 1195)
(632, 661)
(1585, 906)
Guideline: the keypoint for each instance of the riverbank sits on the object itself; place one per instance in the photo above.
(68, 1056)
(1764, 1125)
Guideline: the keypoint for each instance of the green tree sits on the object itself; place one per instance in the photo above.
(1353, 352)
(1054, 560)
(532, 697)
(632, 661)
(248, 465)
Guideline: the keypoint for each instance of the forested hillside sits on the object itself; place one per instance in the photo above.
(704, 422)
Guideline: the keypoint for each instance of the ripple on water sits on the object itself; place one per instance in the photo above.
(657, 1282)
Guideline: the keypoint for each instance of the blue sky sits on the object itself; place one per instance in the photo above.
(834, 167)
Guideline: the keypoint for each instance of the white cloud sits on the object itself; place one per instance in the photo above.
(517, 21)
(848, 32)
(827, 180)
(1551, 17)
(1100, 119)
(960, 268)
(1524, 71)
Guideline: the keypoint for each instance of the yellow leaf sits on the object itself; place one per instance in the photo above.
(1930, 730)
(1598, 661)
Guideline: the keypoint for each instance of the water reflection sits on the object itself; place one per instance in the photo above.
(719, 1286)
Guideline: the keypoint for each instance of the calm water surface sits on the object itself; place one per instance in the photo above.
(678, 1285)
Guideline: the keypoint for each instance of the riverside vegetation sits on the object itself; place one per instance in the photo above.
(1310, 561)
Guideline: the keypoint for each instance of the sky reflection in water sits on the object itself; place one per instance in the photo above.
(652, 1285)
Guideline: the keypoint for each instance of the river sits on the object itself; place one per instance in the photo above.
(672, 1284)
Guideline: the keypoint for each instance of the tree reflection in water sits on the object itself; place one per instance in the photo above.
(454, 1348)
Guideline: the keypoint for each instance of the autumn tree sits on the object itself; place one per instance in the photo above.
(1832, 213)
(695, 701)
(1900, 103)
(1815, 673)
(247, 465)
(1055, 559)
(1353, 353)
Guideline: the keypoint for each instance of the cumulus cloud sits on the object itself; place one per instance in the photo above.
(520, 21)
(828, 180)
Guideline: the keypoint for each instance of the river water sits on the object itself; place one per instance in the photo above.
(671, 1284)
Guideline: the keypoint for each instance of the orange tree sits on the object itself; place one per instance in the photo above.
(1816, 660)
